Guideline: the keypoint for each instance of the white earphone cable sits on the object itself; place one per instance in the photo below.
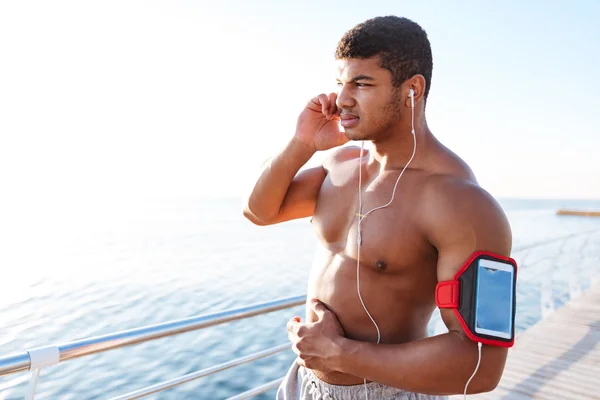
(359, 236)
(361, 216)
(476, 368)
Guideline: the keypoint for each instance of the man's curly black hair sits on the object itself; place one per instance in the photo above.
(402, 45)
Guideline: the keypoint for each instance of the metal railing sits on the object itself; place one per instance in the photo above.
(38, 358)
(208, 371)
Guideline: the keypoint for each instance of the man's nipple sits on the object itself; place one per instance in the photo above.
(381, 265)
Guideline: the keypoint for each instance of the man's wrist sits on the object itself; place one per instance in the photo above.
(299, 146)
(346, 349)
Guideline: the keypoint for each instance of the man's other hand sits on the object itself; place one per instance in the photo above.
(317, 344)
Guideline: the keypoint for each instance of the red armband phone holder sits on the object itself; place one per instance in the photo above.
(461, 295)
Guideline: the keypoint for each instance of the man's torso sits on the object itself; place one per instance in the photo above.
(398, 265)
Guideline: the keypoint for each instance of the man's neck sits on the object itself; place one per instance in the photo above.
(394, 151)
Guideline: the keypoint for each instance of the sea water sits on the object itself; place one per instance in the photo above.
(102, 270)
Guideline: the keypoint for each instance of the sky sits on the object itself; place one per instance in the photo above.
(113, 100)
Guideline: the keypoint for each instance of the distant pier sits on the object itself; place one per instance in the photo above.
(579, 213)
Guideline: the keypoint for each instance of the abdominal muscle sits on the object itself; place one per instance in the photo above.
(393, 299)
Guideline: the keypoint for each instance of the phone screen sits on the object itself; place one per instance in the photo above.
(494, 299)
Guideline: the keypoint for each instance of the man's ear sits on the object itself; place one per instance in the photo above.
(417, 84)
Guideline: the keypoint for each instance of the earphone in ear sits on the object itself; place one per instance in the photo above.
(412, 98)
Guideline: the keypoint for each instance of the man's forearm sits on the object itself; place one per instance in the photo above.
(271, 188)
(439, 365)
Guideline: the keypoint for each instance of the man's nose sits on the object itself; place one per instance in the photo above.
(344, 98)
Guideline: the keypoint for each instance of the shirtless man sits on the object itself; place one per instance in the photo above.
(438, 217)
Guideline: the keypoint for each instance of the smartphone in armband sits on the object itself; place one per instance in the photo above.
(482, 294)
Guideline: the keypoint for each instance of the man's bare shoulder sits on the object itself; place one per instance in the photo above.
(454, 191)
(448, 163)
(341, 155)
(454, 207)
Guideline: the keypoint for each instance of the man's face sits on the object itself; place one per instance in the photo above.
(368, 102)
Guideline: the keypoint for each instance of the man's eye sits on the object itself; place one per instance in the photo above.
(339, 84)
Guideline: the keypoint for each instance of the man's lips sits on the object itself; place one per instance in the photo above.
(349, 120)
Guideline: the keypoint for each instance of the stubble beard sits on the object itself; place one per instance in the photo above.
(390, 116)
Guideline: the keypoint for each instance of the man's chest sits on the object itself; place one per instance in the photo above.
(390, 236)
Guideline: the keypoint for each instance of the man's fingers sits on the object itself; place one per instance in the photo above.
(318, 307)
(327, 104)
(300, 362)
(332, 104)
(293, 325)
(295, 350)
(324, 101)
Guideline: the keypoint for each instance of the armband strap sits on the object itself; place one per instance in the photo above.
(459, 293)
(447, 294)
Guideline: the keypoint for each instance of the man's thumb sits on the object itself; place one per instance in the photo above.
(318, 307)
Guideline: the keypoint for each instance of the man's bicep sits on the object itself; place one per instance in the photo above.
(476, 223)
(301, 197)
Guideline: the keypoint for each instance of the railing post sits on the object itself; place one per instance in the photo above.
(35, 374)
(39, 358)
